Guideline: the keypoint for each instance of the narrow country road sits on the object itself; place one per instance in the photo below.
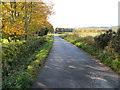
(70, 67)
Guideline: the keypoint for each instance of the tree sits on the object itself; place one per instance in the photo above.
(23, 19)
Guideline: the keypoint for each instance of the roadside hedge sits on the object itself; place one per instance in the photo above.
(22, 60)
(111, 59)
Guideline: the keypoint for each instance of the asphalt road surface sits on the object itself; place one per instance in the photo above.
(70, 67)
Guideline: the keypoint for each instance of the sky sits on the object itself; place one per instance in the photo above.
(84, 13)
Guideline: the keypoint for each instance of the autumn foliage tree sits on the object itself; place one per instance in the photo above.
(21, 20)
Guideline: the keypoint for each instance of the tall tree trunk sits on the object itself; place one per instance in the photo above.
(15, 8)
(12, 12)
(30, 13)
(26, 21)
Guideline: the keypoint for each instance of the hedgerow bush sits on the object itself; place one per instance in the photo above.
(14, 54)
(109, 41)
(22, 61)
(115, 42)
(105, 47)
(103, 40)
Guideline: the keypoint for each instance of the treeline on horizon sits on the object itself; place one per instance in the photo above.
(83, 29)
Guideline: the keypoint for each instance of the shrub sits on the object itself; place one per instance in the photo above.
(115, 42)
(20, 61)
(14, 54)
(105, 47)
(4, 41)
(103, 40)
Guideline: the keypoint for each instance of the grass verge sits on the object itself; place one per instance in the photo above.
(105, 56)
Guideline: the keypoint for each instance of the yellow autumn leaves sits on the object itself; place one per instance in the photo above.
(17, 17)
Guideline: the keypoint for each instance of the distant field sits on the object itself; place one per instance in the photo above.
(82, 34)
(93, 30)
(87, 32)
